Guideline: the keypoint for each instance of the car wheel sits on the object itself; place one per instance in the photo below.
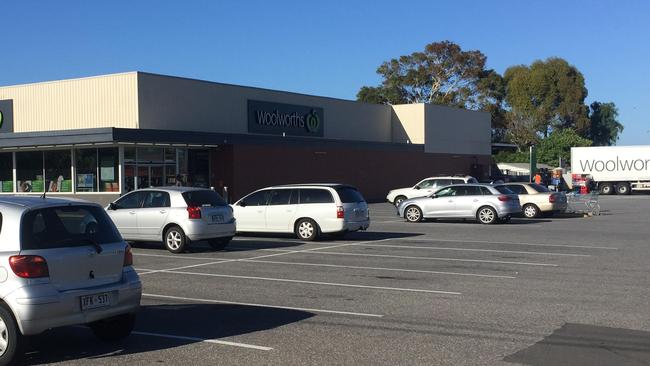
(10, 337)
(606, 188)
(530, 211)
(399, 200)
(175, 239)
(487, 215)
(307, 229)
(413, 214)
(113, 329)
(622, 188)
(219, 243)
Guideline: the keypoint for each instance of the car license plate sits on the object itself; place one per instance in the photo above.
(95, 301)
(217, 218)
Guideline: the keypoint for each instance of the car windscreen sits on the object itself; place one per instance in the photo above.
(66, 226)
(504, 190)
(205, 197)
(539, 188)
(349, 195)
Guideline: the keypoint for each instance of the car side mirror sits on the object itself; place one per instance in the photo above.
(242, 204)
(417, 187)
(112, 206)
(434, 196)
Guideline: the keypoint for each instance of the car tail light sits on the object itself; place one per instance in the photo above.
(552, 198)
(340, 213)
(128, 256)
(29, 266)
(193, 212)
(504, 198)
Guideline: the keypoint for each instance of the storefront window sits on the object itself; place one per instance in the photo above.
(150, 155)
(198, 168)
(57, 171)
(129, 154)
(29, 171)
(109, 170)
(86, 170)
(6, 172)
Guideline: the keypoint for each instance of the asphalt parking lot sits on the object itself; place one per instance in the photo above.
(568, 290)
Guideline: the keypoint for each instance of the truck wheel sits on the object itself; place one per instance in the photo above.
(399, 200)
(623, 188)
(606, 188)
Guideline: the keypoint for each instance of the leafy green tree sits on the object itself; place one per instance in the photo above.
(441, 74)
(604, 127)
(558, 145)
(547, 95)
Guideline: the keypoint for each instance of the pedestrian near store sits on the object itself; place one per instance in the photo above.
(538, 178)
(179, 180)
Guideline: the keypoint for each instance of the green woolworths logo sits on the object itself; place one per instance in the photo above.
(313, 122)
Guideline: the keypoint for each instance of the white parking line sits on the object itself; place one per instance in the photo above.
(313, 310)
(505, 243)
(314, 282)
(194, 339)
(284, 252)
(475, 250)
(380, 269)
(430, 258)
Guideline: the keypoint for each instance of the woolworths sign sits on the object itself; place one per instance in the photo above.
(287, 119)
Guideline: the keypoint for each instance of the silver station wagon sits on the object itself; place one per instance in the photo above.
(485, 203)
(174, 215)
(62, 262)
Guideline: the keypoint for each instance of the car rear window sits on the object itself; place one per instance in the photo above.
(315, 196)
(457, 181)
(206, 197)
(504, 190)
(66, 226)
(540, 188)
(349, 195)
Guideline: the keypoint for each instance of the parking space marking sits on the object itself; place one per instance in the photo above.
(284, 252)
(313, 310)
(506, 243)
(204, 340)
(430, 258)
(475, 250)
(315, 282)
(380, 269)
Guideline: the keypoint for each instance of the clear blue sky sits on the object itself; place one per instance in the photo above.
(328, 48)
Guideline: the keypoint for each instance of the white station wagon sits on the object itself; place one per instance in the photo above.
(62, 262)
(308, 210)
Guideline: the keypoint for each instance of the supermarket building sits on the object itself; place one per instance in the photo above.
(100, 137)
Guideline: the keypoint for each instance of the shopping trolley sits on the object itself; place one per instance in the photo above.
(586, 203)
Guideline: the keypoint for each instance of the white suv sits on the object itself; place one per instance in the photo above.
(426, 187)
(308, 210)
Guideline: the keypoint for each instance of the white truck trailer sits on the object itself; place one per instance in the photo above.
(615, 169)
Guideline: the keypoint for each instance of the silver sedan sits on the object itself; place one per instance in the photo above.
(486, 203)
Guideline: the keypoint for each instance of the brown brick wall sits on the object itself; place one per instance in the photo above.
(373, 169)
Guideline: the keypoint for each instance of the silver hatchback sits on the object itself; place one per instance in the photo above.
(62, 262)
(486, 203)
(175, 216)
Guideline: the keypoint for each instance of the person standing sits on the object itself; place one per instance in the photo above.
(538, 178)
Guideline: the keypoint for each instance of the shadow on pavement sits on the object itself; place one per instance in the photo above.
(578, 344)
(204, 321)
